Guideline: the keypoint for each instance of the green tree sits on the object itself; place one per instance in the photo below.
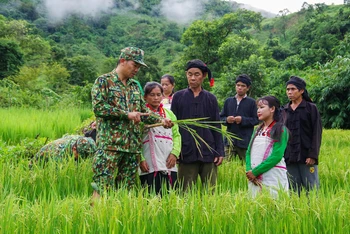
(172, 32)
(319, 34)
(27, 78)
(204, 38)
(332, 93)
(276, 83)
(10, 93)
(149, 7)
(3, 25)
(282, 22)
(108, 65)
(211, 41)
(36, 50)
(11, 58)
(343, 49)
(293, 62)
(55, 76)
(152, 73)
(58, 53)
(81, 69)
(237, 48)
(255, 67)
(220, 8)
(28, 9)
(16, 29)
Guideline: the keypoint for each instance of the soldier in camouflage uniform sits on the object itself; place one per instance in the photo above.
(68, 145)
(119, 108)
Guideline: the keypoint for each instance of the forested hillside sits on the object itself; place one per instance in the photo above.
(49, 62)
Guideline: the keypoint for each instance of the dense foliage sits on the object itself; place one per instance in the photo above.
(45, 63)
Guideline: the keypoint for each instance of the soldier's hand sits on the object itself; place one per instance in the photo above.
(136, 116)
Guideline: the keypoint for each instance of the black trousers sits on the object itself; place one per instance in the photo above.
(156, 180)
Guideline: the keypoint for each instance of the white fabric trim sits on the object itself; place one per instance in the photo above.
(157, 145)
(276, 178)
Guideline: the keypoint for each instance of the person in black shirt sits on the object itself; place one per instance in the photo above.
(240, 116)
(304, 123)
(195, 102)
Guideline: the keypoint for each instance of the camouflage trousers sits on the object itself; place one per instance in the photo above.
(106, 163)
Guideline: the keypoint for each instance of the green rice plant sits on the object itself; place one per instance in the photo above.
(333, 161)
(56, 199)
(21, 123)
(190, 124)
(130, 212)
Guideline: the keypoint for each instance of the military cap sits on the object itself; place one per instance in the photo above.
(134, 54)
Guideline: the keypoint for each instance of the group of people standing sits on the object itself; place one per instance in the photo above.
(283, 150)
(136, 133)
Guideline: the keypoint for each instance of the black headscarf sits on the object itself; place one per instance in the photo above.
(244, 79)
(196, 63)
(300, 84)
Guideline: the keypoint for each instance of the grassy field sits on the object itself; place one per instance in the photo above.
(56, 199)
(20, 123)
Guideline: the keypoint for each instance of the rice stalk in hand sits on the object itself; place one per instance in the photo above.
(200, 123)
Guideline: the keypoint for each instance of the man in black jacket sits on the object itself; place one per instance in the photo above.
(304, 123)
(240, 116)
(195, 102)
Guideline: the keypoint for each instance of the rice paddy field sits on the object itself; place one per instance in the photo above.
(56, 199)
(20, 123)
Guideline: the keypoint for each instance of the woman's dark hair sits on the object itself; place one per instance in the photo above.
(150, 86)
(169, 77)
(278, 116)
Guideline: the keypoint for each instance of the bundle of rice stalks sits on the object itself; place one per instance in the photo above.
(189, 124)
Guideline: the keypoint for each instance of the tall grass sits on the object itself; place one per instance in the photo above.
(20, 123)
(56, 199)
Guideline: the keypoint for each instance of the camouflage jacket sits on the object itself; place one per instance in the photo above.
(63, 147)
(111, 102)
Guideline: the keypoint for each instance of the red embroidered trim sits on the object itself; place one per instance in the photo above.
(267, 131)
(160, 110)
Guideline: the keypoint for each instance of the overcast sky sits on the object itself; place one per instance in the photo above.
(274, 6)
(181, 11)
